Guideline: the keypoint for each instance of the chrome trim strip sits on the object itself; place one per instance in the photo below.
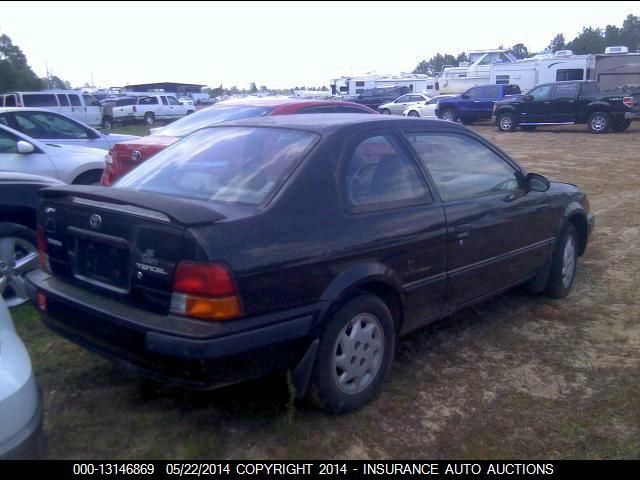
(130, 209)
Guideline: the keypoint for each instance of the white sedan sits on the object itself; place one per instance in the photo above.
(52, 127)
(20, 400)
(401, 103)
(425, 109)
(20, 153)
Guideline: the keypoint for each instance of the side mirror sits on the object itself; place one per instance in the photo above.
(537, 183)
(25, 147)
(527, 98)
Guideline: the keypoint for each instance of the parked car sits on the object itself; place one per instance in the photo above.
(154, 107)
(425, 109)
(21, 410)
(118, 111)
(401, 103)
(308, 242)
(18, 246)
(51, 127)
(186, 101)
(474, 104)
(375, 97)
(127, 155)
(73, 103)
(570, 102)
(71, 164)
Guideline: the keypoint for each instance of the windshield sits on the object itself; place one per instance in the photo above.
(211, 116)
(225, 164)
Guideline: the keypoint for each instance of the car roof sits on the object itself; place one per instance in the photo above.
(328, 122)
(274, 102)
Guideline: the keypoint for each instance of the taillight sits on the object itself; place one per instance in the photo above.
(109, 169)
(206, 291)
(628, 101)
(43, 256)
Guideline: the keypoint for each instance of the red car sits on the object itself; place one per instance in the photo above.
(125, 156)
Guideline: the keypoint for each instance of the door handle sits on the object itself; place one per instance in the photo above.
(546, 103)
(476, 101)
(463, 230)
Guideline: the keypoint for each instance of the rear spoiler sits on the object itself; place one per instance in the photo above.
(183, 211)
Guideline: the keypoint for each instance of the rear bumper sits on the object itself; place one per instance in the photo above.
(194, 353)
(28, 443)
(632, 115)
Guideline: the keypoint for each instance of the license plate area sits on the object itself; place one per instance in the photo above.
(101, 260)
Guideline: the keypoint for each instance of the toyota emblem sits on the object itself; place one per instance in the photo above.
(136, 155)
(95, 220)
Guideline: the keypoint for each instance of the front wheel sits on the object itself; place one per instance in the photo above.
(413, 113)
(621, 126)
(354, 355)
(563, 264)
(92, 177)
(599, 122)
(506, 122)
(385, 111)
(449, 115)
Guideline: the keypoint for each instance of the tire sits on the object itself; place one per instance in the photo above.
(506, 122)
(334, 391)
(599, 122)
(620, 126)
(385, 111)
(449, 115)
(107, 123)
(149, 118)
(563, 264)
(413, 113)
(528, 128)
(189, 112)
(92, 177)
(18, 256)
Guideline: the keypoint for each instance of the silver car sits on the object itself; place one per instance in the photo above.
(400, 104)
(425, 109)
(21, 411)
(52, 127)
(20, 153)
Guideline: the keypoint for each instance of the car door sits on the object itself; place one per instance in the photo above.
(391, 217)
(538, 109)
(489, 96)
(399, 104)
(563, 103)
(498, 232)
(77, 108)
(37, 162)
(469, 102)
(164, 110)
(176, 108)
(93, 111)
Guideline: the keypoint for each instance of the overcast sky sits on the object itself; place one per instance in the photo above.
(278, 44)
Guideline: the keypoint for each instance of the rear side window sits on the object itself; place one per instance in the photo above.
(510, 89)
(75, 101)
(39, 100)
(380, 175)
(230, 165)
(10, 101)
(323, 109)
(350, 109)
(148, 101)
(491, 92)
(126, 101)
(590, 88)
(564, 90)
(64, 101)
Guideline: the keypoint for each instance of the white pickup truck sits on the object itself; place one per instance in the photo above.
(151, 108)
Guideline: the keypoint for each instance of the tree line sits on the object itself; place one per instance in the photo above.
(590, 40)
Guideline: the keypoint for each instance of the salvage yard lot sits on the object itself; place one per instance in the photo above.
(519, 376)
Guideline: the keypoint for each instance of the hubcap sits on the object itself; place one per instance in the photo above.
(598, 123)
(413, 114)
(17, 257)
(505, 123)
(358, 353)
(448, 116)
(568, 261)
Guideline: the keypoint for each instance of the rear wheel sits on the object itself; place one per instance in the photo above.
(449, 115)
(385, 111)
(354, 355)
(563, 264)
(18, 255)
(149, 118)
(620, 126)
(506, 122)
(91, 177)
(599, 122)
(413, 113)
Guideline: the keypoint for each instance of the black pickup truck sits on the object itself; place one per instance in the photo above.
(571, 102)
(375, 97)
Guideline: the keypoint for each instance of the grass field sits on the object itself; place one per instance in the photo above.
(519, 376)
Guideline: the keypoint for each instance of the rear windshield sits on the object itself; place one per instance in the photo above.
(227, 164)
(211, 116)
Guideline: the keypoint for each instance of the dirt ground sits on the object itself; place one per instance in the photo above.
(519, 376)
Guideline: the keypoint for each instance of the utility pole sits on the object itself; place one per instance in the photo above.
(47, 67)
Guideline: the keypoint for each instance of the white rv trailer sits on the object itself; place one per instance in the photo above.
(544, 68)
(616, 69)
(476, 71)
(416, 82)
